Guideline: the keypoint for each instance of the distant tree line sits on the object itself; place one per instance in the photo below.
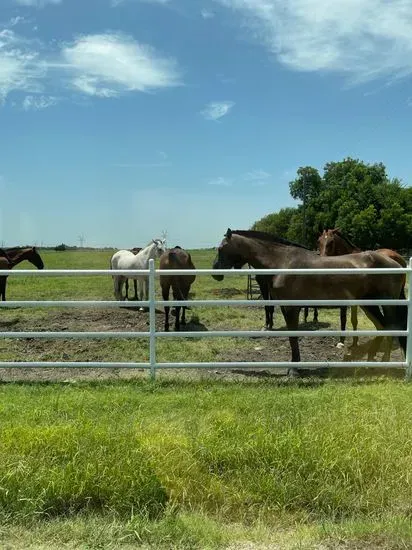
(373, 210)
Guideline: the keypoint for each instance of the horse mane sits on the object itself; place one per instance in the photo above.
(268, 237)
(345, 238)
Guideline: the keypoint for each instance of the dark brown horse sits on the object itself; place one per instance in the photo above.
(264, 251)
(10, 257)
(135, 250)
(176, 258)
(332, 242)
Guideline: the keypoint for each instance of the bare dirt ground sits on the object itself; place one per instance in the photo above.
(273, 349)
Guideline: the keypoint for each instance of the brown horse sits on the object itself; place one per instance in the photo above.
(176, 258)
(332, 242)
(264, 251)
(135, 250)
(10, 257)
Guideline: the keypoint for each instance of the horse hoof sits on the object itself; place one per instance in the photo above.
(340, 345)
(293, 373)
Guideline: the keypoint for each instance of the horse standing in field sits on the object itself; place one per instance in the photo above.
(176, 258)
(135, 250)
(11, 257)
(124, 259)
(265, 251)
(332, 242)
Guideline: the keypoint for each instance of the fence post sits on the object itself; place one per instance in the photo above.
(409, 326)
(152, 319)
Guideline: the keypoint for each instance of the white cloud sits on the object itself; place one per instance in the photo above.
(217, 109)
(37, 3)
(106, 65)
(256, 175)
(16, 20)
(365, 39)
(223, 182)
(36, 103)
(20, 66)
(118, 2)
(142, 165)
(207, 14)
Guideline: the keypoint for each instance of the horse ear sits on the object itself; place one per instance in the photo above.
(229, 233)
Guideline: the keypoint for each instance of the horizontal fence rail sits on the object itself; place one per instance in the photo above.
(152, 304)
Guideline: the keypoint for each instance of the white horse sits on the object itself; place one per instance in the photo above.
(125, 259)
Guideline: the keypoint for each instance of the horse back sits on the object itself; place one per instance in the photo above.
(393, 255)
(177, 258)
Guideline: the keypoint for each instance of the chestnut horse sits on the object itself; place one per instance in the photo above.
(264, 251)
(332, 242)
(176, 258)
(10, 257)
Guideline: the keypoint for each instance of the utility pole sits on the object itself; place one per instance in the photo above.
(304, 212)
(81, 240)
(164, 236)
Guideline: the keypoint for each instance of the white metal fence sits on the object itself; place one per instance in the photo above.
(152, 303)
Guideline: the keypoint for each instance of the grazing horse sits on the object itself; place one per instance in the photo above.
(264, 251)
(10, 257)
(176, 258)
(135, 250)
(124, 259)
(333, 243)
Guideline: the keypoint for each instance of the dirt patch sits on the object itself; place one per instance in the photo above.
(126, 319)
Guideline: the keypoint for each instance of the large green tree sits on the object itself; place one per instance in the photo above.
(359, 198)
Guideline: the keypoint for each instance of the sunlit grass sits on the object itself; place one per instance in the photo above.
(180, 460)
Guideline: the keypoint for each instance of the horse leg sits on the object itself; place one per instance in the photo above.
(177, 296)
(141, 291)
(395, 319)
(135, 289)
(115, 288)
(291, 316)
(127, 289)
(3, 281)
(269, 322)
(343, 318)
(315, 314)
(185, 294)
(122, 280)
(354, 322)
(375, 315)
(165, 296)
(306, 314)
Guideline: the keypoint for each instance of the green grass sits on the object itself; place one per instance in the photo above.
(201, 464)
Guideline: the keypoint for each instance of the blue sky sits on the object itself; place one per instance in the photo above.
(123, 118)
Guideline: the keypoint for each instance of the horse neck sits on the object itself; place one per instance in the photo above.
(343, 247)
(148, 253)
(151, 255)
(21, 256)
(261, 255)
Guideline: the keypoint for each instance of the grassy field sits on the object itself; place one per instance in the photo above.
(195, 460)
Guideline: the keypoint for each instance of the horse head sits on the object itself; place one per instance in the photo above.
(35, 258)
(326, 242)
(228, 255)
(160, 246)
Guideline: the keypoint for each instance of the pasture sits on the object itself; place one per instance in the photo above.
(107, 459)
